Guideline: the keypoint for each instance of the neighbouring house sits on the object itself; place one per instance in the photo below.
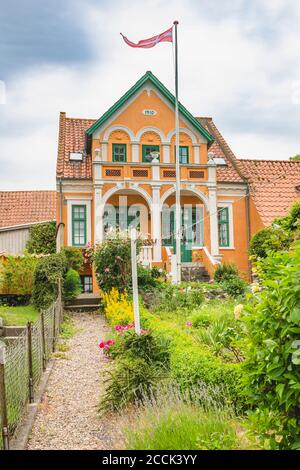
(119, 171)
(20, 210)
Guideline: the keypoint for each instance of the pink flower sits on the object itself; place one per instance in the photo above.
(106, 347)
(101, 345)
(189, 323)
(118, 327)
(106, 270)
(110, 342)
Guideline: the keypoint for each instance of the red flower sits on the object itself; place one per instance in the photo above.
(101, 345)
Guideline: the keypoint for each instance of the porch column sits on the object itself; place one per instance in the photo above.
(213, 208)
(134, 152)
(98, 214)
(166, 153)
(156, 223)
(104, 145)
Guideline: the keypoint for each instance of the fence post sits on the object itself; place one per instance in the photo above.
(29, 335)
(54, 325)
(3, 402)
(43, 339)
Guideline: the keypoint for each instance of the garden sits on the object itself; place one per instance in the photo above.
(216, 366)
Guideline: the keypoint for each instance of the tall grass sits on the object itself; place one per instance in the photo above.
(172, 420)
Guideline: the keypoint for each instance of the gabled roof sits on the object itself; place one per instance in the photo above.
(26, 207)
(164, 91)
(273, 185)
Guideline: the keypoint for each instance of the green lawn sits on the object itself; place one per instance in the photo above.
(13, 316)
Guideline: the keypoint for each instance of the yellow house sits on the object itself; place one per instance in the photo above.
(119, 171)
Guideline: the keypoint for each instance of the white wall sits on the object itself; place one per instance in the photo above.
(14, 241)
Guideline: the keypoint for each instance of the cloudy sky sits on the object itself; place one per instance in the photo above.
(239, 62)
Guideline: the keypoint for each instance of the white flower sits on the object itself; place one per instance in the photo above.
(238, 310)
(255, 288)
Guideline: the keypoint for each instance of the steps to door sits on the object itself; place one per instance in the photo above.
(84, 302)
(194, 272)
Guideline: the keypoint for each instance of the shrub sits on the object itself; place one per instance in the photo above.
(147, 278)
(112, 261)
(273, 357)
(48, 272)
(151, 347)
(74, 257)
(269, 239)
(177, 297)
(235, 287)
(225, 271)
(118, 309)
(131, 380)
(169, 420)
(42, 238)
(17, 273)
(71, 285)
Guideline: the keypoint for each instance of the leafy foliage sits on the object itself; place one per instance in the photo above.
(273, 358)
(225, 271)
(269, 239)
(71, 285)
(74, 257)
(48, 272)
(235, 287)
(173, 298)
(16, 274)
(295, 158)
(112, 261)
(42, 238)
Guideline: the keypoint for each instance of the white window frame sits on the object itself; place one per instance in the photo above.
(229, 205)
(82, 201)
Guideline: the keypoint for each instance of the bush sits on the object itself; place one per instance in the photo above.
(174, 297)
(235, 287)
(148, 346)
(225, 271)
(273, 357)
(169, 420)
(48, 273)
(267, 240)
(118, 309)
(74, 257)
(72, 285)
(112, 261)
(17, 273)
(42, 239)
(131, 380)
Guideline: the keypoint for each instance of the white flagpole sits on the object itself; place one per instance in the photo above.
(137, 324)
(177, 211)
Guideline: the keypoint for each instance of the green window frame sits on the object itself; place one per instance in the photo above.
(79, 225)
(119, 153)
(223, 225)
(146, 149)
(183, 154)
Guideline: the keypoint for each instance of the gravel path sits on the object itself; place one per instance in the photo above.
(67, 418)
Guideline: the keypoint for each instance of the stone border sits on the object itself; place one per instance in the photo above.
(20, 439)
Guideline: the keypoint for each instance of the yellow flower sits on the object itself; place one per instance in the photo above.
(238, 310)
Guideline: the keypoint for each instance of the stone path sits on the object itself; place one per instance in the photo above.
(67, 417)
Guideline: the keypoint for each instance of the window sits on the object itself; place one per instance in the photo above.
(183, 154)
(119, 152)
(223, 223)
(122, 217)
(87, 284)
(78, 225)
(147, 149)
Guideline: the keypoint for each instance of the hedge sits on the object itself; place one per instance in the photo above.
(192, 363)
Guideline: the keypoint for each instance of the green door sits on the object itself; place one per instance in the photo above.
(186, 248)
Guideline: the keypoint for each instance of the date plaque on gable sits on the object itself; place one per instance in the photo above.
(149, 112)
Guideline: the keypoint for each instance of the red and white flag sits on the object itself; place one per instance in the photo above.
(166, 36)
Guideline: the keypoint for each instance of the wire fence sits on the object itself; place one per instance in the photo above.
(22, 362)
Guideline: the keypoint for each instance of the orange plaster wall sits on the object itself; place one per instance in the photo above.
(255, 220)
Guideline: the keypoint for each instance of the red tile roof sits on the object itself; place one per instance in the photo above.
(72, 139)
(26, 207)
(273, 185)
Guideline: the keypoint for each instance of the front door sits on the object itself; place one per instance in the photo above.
(186, 247)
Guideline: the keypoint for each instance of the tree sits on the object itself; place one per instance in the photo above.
(295, 158)
(42, 239)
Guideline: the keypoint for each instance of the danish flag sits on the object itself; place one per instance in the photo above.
(166, 36)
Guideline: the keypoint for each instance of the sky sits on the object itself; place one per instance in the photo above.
(239, 62)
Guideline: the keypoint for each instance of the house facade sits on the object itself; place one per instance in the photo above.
(119, 172)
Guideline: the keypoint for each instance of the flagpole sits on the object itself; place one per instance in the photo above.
(177, 205)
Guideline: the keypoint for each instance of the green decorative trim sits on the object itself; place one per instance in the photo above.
(113, 152)
(144, 149)
(164, 91)
(78, 220)
(224, 210)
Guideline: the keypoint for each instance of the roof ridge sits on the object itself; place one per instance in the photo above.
(28, 191)
(266, 160)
